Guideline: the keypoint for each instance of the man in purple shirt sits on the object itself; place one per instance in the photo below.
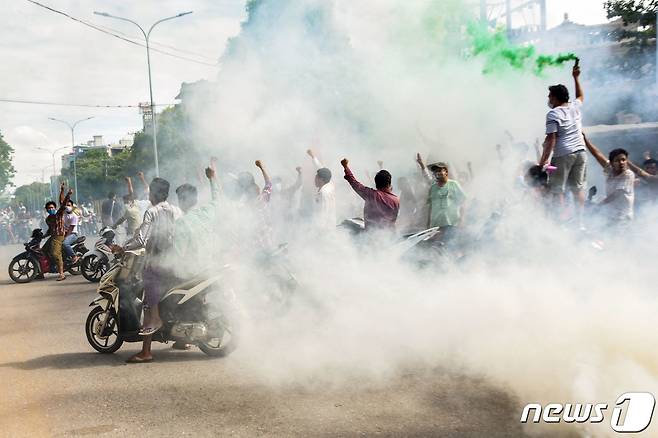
(382, 205)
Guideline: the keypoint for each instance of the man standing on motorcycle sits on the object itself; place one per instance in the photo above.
(446, 198)
(56, 230)
(155, 234)
(131, 214)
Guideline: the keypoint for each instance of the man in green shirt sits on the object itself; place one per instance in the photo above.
(446, 197)
(194, 229)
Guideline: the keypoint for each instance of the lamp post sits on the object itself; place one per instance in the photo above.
(75, 156)
(148, 63)
(52, 189)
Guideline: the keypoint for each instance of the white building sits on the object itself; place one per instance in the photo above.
(97, 143)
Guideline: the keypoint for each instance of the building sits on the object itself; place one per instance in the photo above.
(97, 143)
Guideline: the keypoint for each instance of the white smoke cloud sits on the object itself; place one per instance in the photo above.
(534, 307)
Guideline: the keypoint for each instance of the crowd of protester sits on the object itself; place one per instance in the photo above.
(175, 236)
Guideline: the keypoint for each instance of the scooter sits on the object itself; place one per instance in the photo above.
(200, 312)
(34, 262)
(421, 247)
(96, 262)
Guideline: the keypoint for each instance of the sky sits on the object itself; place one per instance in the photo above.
(48, 57)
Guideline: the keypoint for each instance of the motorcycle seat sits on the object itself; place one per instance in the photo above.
(80, 240)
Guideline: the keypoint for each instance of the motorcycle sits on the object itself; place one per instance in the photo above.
(199, 312)
(88, 223)
(422, 247)
(6, 233)
(96, 262)
(22, 229)
(34, 262)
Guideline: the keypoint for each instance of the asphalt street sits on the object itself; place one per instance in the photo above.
(52, 384)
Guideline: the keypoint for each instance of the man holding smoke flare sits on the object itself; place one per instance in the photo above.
(564, 140)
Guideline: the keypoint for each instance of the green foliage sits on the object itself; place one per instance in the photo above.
(33, 196)
(177, 155)
(7, 170)
(639, 17)
(641, 14)
(98, 173)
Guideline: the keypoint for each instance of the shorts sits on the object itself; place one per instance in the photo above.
(157, 282)
(571, 171)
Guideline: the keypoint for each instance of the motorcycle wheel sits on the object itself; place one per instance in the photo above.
(22, 270)
(107, 342)
(221, 346)
(75, 269)
(92, 268)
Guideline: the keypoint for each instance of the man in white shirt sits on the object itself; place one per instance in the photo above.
(156, 235)
(325, 200)
(324, 211)
(564, 140)
(620, 184)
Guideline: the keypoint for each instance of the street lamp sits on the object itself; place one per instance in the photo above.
(148, 63)
(75, 156)
(52, 189)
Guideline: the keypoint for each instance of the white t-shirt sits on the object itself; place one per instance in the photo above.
(621, 208)
(566, 121)
(71, 219)
(325, 207)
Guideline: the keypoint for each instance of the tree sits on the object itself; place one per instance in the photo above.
(7, 170)
(178, 158)
(639, 14)
(33, 196)
(99, 173)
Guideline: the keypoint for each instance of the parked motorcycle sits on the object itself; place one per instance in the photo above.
(199, 312)
(96, 262)
(34, 262)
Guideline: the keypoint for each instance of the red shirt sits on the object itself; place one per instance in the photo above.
(381, 207)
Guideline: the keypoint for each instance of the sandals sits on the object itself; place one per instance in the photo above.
(149, 331)
(137, 359)
(61, 278)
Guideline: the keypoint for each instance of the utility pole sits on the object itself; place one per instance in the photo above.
(75, 155)
(148, 63)
(542, 16)
(508, 17)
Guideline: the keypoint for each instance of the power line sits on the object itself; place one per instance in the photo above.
(98, 28)
(38, 102)
(175, 49)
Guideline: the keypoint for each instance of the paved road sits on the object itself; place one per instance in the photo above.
(53, 384)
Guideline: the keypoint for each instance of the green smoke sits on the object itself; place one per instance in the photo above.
(500, 54)
(544, 61)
